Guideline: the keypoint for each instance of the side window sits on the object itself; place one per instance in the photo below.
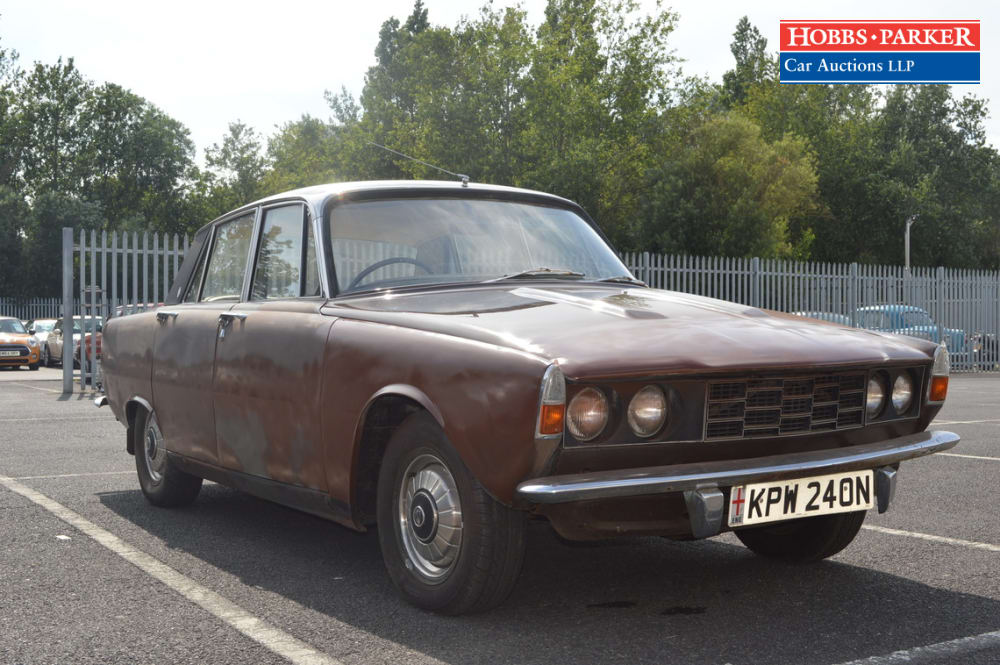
(228, 259)
(286, 258)
(279, 258)
(199, 271)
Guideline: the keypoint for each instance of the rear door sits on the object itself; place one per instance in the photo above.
(186, 336)
(269, 363)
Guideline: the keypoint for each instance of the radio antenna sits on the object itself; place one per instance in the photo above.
(461, 176)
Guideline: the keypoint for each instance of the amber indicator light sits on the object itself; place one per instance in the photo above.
(552, 419)
(939, 388)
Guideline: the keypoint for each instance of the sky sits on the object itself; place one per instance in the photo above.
(211, 62)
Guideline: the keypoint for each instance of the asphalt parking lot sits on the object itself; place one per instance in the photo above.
(79, 544)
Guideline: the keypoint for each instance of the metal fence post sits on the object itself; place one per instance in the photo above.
(755, 282)
(852, 295)
(67, 297)
(939, 301)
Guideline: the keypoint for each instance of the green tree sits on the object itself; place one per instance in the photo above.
(238, 163)
(749, 49)
(726, 190)
(14, 213)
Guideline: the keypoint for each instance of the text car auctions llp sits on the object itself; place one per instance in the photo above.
(880, 51)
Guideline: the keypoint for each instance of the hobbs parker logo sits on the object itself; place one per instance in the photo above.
(879, 52)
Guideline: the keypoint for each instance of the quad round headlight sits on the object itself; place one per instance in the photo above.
(902, 393)
(587, 414)
(647, 411)
(876, 397)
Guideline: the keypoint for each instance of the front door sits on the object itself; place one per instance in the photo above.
(269, 360)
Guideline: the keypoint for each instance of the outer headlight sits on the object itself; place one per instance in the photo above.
(876, 397)
(902, 393)
(647, 411)
(587, 414)
(32, 341)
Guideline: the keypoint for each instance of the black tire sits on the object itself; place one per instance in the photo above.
(33, 367)
(803, 540)
(166, 485)
(491, 547)
(46, 356)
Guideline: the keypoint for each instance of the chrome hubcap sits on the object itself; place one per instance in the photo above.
(154, 450)
(430, 518)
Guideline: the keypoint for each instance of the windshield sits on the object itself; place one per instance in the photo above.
(404, 242)
(91, 325)
(12, 326)
(44, 326)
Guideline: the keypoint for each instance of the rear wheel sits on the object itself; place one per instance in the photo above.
(161, 481)
(449, 546)
(802, 540)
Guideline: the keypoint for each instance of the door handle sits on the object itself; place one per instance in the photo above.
(226, 318)
(162, 316)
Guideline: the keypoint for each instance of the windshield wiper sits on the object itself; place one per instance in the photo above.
(624, 279)
(556, 273)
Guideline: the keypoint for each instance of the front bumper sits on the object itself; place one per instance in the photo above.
(702, 475)
(703, 484)
(17, 361)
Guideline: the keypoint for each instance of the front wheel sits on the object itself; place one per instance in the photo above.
(161, 481)
(46, 358)
(449, 546)
(33, 367)
(803, 540)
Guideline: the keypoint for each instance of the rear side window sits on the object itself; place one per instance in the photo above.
(228, 260)
(199, 271)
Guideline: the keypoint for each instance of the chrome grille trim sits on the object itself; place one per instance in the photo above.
(784, 406)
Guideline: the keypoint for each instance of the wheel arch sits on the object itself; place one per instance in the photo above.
(132, 406)
(382, 414)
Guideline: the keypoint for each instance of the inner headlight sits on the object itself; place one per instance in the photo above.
(647, 411)
(32, 341)
(876, 397)
(902, 393)
(587, 414)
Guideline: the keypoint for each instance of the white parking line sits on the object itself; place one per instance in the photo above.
(995, 459)
(258, 630)
(965, 422)
(933, 653)
(73, 475)
(47, 390)
(934, 539)
(59, 420)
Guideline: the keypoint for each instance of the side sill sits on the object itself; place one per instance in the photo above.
(305, 499)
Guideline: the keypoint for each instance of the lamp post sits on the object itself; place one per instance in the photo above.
(909, 223)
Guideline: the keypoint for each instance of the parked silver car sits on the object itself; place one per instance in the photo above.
(52, 349)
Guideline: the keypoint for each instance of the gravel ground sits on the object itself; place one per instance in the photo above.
(65, 598)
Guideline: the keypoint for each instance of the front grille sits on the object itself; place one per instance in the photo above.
(786, 406)
(20, 348)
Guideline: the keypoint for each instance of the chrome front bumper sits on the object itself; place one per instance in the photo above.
(699, 475)
(702, 482)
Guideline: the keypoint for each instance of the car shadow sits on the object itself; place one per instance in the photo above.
(644, 600)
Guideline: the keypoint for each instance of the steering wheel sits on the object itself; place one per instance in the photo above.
(386, 262)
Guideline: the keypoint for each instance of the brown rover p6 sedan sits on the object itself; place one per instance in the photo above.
(443, 360)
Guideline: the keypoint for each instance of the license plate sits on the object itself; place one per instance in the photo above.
(802, 497)
(6, 354)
